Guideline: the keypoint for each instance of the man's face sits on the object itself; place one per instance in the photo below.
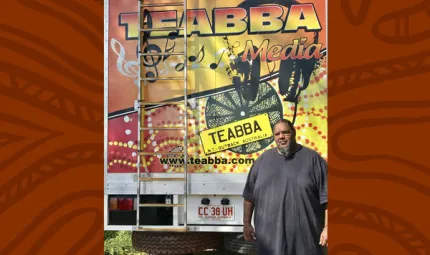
(283, 137)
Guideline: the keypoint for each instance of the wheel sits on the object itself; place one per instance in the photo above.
(230, 106)
(236, 243)
(157, 243)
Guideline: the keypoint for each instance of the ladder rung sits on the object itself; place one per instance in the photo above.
(163, 4)
(162, 179)
(163, 78)
(161, 103)
(169, 229)
(162, 128)
(162, 54)
(161, 29)
(160, 153)
(161, 205)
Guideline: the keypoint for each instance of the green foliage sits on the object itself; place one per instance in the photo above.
(119, 243)
(110, 234)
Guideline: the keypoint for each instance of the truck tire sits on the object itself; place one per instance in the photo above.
(236, 243)
(157, 243)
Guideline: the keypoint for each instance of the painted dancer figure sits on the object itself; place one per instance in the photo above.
(286, 190)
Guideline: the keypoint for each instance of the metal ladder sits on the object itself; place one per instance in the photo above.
(141, 103)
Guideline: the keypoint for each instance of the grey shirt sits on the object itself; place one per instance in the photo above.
(289, 199)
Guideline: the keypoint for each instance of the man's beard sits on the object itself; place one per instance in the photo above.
(288, 151)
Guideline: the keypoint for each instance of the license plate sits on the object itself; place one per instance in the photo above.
(216, 212)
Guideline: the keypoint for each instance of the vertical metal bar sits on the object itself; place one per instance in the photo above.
(186, 115)
(326, 37)
(139, 41)
(175, 211)
(106, 103)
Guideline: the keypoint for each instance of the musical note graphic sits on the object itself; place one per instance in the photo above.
(173, 35)
(126, 68)
(216, 64)
(180, 66)
(194, 58)
(230, 54)
(168, 50)
(151, 61)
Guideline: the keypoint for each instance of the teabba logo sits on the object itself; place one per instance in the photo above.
(233, 132)
(229, 21)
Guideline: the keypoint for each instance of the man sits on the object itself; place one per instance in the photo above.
(286, 190)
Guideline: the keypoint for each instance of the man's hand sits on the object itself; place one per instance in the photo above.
(324, 237)
(249, 233)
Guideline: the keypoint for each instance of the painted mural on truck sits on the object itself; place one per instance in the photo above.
(250, 63)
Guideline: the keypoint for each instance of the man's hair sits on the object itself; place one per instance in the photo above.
(285, 121)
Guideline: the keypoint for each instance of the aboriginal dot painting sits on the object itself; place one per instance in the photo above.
(249, 64)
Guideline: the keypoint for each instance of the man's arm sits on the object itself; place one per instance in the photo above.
(248, 230)
(324, 234)
(248, 195)
(248, 204)
(326, 218)
(248, 208)
(321, 173)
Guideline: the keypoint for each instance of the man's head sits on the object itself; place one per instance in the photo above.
(285, 137)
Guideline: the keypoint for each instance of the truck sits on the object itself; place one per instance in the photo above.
(192, 91)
